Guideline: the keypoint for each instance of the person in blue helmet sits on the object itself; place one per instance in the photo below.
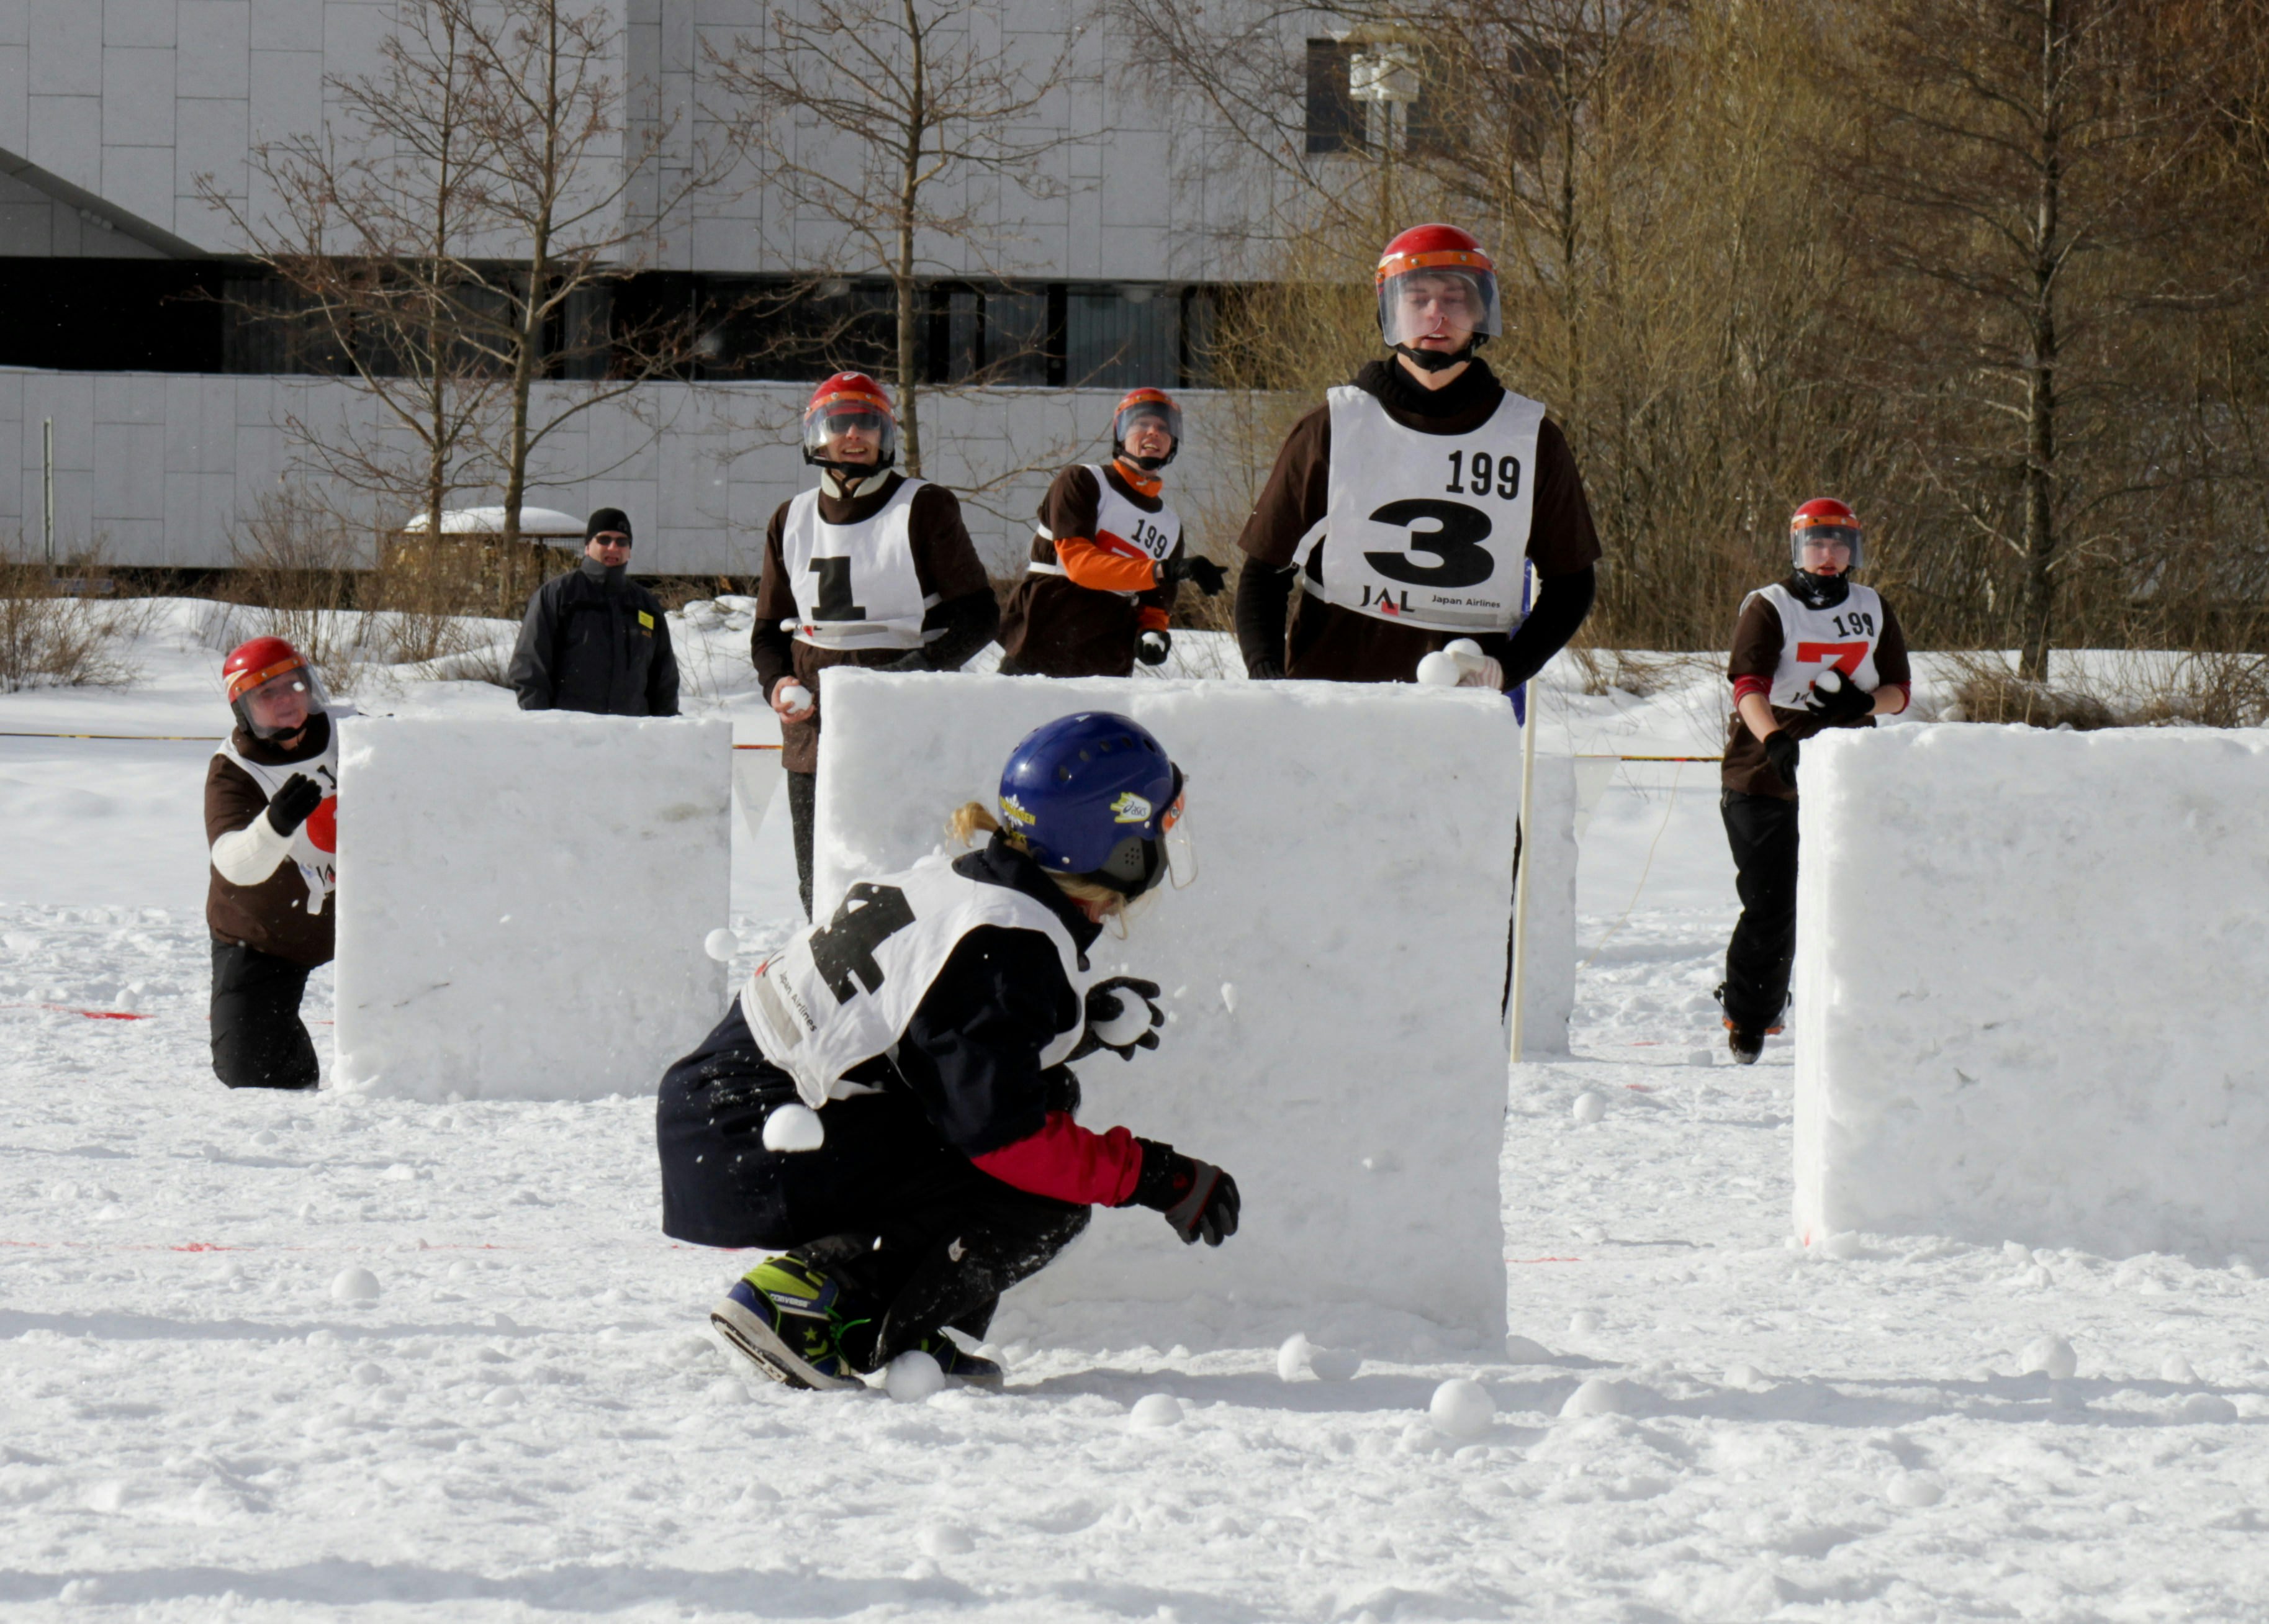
(930, 1024)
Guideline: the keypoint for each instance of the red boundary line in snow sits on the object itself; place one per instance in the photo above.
(91, 1015)
(1543, 1259)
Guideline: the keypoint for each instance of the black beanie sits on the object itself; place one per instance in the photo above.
(609, 518)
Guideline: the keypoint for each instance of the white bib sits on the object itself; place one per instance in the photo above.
(1428, 530)
(855, 585)
(1124, 530)
(318, 862)
(844, 992)
(1813, 640)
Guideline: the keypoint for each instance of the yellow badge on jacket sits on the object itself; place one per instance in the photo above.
(646, 620)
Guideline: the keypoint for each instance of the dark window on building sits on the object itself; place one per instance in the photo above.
(1335, 121)
(1123, 337)
(111, 315)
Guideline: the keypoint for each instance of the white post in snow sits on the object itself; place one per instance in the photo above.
(48, 467)
(1527, 854)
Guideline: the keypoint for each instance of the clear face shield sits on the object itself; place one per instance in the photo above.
(1151, 414)
(850, 432)
(1826, 549)
(283, 705)
(1438, 309)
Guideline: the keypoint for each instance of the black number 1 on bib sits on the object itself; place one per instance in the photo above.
(868, 915)
(835, 591)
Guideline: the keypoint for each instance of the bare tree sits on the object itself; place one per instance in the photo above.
(900, 126)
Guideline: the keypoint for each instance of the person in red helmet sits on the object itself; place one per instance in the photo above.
(873, 568)
(1402, 508)
(1107, 559)
(1817, 650)
(271, 820)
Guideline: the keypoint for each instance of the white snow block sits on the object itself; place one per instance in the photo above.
(523, 902)
(1333, 978)
(2028, 987)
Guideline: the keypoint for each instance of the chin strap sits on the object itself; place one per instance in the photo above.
(843, 483)
(1435, 361)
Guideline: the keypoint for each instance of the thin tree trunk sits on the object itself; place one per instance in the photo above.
(902, 269)
(527, 347)
(2040, 381)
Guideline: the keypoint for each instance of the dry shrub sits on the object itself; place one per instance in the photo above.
(297, 569)
(1986, 690)
(50, 637)
(2208, 691)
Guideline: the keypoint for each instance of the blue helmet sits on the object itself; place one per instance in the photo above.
(1093, 795)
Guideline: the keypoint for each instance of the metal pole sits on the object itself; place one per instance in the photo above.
(48, 465)
(1527, 856)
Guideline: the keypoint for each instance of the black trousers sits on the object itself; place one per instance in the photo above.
(1762, 831)
(916, 1234)
(802, 804)
(258, 1039)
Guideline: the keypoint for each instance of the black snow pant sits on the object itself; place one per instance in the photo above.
(258, 1039)
(802, 805)
(916, 1234)
(1762, 831)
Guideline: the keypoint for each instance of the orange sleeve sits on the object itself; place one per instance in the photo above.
(1152, 618)
(1094, 567)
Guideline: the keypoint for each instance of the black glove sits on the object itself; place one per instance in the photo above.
(914, 660)
(1151, 647)
(1199, 1200)
(1264, 670)
(1838, 701)
(300, 796)
(1209, 577)
(1060, 1090)
(1780, 749)
(1110, 1000)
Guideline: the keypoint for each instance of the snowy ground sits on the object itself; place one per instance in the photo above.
(528, 1422)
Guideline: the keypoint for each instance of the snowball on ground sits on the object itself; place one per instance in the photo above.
(1354, 848)
(2027, 1002)
(523, 902)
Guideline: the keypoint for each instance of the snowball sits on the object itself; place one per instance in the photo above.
(1913, 1490)
(796, 697)
(793, 1128)
(367, 1373)
(2175, 1368)
(1292, 1358)
(1594, 1396)
(1157, 1409)
(1583, 1322)
(1701, 1057)
(1334, 1364)
(720, 944)
(354, 1284)
(1229, 996)
(1524, 1350)
(945, 1540)
(1462, 1409)
(1742, 1375)
(1438, 669)
(913, 1376)
(1589, 1107)
(501, 1397)
(2052, 1357)
(1129, 1024)
(2207, 1407)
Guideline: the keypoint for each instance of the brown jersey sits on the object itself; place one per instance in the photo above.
(1760, 642)
(271, 916)
(1342, 645)
(1083, 602)
(945, 562)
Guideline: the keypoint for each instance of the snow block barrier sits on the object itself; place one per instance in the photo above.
(2029, 989)
(523, 900)
(1333, 978)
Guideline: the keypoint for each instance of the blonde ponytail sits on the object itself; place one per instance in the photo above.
(972, 817)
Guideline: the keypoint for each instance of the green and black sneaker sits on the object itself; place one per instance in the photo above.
(782, 1315)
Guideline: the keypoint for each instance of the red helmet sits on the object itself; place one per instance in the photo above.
(1821, 525)
(1434, 281)
(272, 688)
(849, 400)
(1136, 405)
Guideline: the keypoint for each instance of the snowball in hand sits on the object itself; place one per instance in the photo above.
(355, 1285)
(913, 1376)
(796, 697)
(1124, 1028)
(1439, 669)
(793, 1128)
(1462, 1409)
(720, 944)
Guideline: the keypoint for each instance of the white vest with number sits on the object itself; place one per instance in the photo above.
(318, 863)
(1428, 530)
(1124, 530)
(855, 585)
(1812, 639)
(844, 992)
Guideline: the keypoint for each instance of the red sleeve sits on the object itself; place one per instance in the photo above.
(1744, 686)
(1066, 1162)
(1150, 617)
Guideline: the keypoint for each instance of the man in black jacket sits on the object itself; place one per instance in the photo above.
(594, 639)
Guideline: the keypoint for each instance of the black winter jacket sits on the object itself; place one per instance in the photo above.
(594, 641)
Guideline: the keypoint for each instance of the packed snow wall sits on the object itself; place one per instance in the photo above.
(523, 900)
(2028, 991)
(1334, 977)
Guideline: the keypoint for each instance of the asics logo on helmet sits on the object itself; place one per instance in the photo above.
(1130, 808)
